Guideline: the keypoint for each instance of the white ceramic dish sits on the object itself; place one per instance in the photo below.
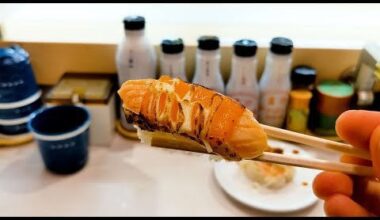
(296, 195)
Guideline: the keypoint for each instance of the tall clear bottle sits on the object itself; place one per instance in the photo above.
(172, 59)
(207, 64)
(275, 82)
(242, 84)
(135, 56)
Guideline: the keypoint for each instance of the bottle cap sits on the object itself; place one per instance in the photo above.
(134, 23)
(208, 43)
(281, 45)
(245, 48)
(303, 76)
(172, 46)
(300, 99)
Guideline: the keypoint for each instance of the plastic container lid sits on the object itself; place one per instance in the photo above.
(281, 45)
(89, 89)
(12, 55)
(208, 43)
(134, 23)
(172, 46)
(245, 48)
(303, 76)
(334, 97)
(335, 88)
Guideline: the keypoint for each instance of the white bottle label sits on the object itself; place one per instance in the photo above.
(249, 100)
(136, 64)
(209, 76)
(174, 68)
(273, 106)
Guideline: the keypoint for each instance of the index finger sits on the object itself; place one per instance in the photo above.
(361, 129)
(356, 126)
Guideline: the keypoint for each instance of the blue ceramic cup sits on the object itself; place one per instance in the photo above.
(14, 126)
(23, 108)
(62, 133)
(17, 81)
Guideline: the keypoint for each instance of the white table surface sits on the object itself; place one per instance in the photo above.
(124, 179)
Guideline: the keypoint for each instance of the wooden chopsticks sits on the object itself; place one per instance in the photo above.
(315, 164)
(167, 140)
(316, 142)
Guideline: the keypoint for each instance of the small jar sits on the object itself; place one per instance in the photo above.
(298, 112)
(303, 78)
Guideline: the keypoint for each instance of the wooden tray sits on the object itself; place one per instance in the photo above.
(6, 140)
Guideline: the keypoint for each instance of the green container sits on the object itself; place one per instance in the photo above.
(326, 125)
(334, 98)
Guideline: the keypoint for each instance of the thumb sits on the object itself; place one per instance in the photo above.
(375, 150)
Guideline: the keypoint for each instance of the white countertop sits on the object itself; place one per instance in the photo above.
(124, 179)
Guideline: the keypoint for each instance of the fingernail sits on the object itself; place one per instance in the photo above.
(375, 150)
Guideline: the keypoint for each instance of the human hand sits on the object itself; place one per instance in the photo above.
(346, 195)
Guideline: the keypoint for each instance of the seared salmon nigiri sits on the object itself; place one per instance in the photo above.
(219, 123)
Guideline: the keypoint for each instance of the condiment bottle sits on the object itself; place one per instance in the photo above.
(303, 78)
(242, 84)
(207, 64)
(172, 60)
(275, 82)
(135, 56)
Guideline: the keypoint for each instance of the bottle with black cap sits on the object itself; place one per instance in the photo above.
(303, 78)
(242, 84)
(275, 82)
(172, 59)
(135, 56)
(207, 64)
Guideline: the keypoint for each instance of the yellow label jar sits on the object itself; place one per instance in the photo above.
(298, 112)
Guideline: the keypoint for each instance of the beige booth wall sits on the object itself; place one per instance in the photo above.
(51, 60)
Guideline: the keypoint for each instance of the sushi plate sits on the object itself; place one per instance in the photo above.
(294, 196)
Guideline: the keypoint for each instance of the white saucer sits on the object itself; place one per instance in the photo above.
(292, 197)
